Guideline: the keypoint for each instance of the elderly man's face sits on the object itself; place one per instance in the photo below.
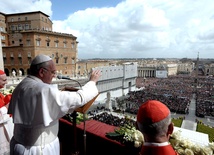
(49, 73)
(3, 80)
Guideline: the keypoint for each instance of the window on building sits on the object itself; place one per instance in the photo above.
(19, 19)
(72, 61)
(29, 55)
(57, 60)
(11, 61)
(20, 61)
(5, 60)
(12, 27)
(2, 37)
(56, 44)
(38, 43)
(26, 26)
(29, 60)
(65, 42)
(13, 42)
(19, 27)
(25, 18)
(72, 45)
(28, 42)
(48, 41)
(11, 19)
(65, 61)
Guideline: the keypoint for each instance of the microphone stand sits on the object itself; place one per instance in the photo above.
(84, 133)
(83, 110)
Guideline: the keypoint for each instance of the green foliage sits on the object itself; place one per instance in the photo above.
(177, 121)
(127, 134)
(79, 118)
(207, 130)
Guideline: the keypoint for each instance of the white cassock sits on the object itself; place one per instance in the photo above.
(6, 131)
(36, 108)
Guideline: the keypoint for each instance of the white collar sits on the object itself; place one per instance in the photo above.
(156, 144)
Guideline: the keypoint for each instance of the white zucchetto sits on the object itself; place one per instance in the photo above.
(40, 59)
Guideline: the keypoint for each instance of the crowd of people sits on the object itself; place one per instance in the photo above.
(205, 97)
(176, 92)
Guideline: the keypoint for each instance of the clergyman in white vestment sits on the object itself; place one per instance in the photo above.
(36, 106)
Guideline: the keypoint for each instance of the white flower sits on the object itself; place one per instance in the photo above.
(138, 136)
(8, 91)
(180, 150)
(186, 147)
(196, 149)
(11, 89)
(206, 151)
(137, 144)
(131, 134)
(211, 145)
(176, 135)
(188, 152)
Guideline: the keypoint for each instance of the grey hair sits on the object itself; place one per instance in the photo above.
(34, 69)
(158, 129)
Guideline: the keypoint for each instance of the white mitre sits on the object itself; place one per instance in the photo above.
(40, 59)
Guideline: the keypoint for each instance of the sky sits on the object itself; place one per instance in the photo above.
(130, 28)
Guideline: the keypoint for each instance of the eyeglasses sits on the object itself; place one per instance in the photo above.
(52, 72)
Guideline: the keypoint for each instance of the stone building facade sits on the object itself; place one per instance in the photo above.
(29, 34)
(209, 69)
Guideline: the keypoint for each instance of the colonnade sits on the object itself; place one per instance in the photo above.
(146, 72)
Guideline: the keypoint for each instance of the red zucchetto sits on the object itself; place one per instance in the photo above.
(152, 111)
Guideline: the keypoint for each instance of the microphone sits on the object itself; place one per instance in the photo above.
(67, 78)
(63, 77)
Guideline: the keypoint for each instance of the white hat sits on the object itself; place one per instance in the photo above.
(40, 59)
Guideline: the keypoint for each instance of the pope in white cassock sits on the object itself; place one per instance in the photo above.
(36, 106)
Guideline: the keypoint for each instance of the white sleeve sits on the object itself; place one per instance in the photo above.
(88, 92)
(3, 110)
(57, 103)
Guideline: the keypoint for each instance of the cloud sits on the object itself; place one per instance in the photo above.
(135, 28)
(18, 6)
